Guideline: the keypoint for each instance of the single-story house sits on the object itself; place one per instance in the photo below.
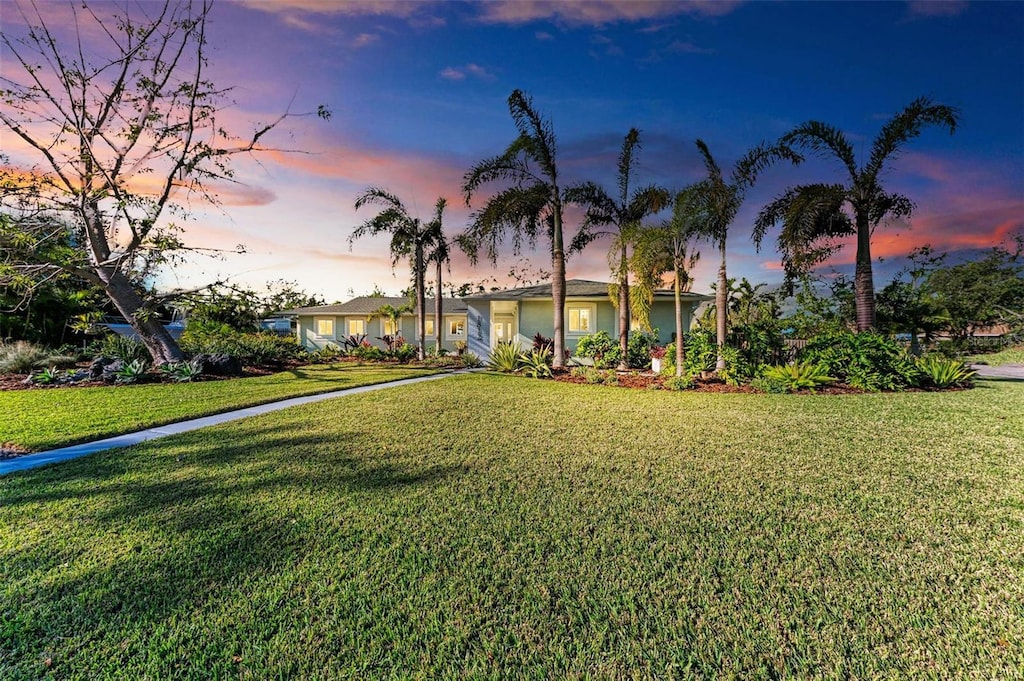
(318, 327)
(520, 313)
(483, 320)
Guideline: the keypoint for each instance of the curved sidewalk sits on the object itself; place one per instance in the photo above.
(28, 461)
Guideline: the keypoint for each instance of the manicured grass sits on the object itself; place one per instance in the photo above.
(1007, 356)
(48, 418)
(493, 527)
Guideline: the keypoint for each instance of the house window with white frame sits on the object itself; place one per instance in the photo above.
(357, 327)
(429, 323)
(324, 327)
(456, 327)
(581, 318)
(389, 327)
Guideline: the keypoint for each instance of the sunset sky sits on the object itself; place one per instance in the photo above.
(418, 93)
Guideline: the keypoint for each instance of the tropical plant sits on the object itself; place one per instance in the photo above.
(46, 376)
(182, 372)
(601, 348)
(620, 217)
(439, 254)
(536, 363)
(721, 201)
(814, 217)
(504, 357)
(410, 238)
(869, 361)
(908, 306)
(353, 341)
(131, 372)
(530, 205)
(394, 316)
(640, 349)
(797, 376)
(940, 372)
(540, 341)
(672, 247)
(328, 353)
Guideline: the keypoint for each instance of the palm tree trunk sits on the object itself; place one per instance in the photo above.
(624, 310)
(680, 350)
(863, 281)
(421, 303)
(557, 280)
(721, 309)
(437, 310)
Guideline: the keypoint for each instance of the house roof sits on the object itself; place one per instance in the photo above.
(574, 288)
(365, 305)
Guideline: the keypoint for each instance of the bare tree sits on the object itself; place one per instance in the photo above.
(121, 132)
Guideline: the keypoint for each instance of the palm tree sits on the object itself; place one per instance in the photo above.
(530, 205)
(815, 216)
(623, 214)
(409, 238)
(722, 201)
(438, 255)
(394, 315)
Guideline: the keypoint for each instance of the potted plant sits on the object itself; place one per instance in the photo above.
(657, 355)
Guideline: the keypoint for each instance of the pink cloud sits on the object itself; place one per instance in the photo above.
(364, 39)
(461, 72)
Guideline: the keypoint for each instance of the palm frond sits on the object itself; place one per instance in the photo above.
(627, 161)
(539, 130)
(516, 210)
(905, 126)
(381, 197)
(824, 140)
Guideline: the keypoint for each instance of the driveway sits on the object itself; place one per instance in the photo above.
(1013, 372)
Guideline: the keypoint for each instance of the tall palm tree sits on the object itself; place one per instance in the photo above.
(622, 215)
(530, 204)
(439, 254)
(722, 201)
(815, 216)
(409, 238)
(671, 247)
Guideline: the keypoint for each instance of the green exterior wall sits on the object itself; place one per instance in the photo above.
(306, 327)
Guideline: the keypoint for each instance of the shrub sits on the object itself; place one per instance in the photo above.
(368, 353)
(505, 357)
(254, 349)
(123, 348)
(793, 377)
(537, 363)
(939, 372)
(641, 345)
(470, 360)
(677, 383)
(601, 348)
(21, 357)
(540, 341)
(328, 353)
(403, 353)
(868, 361)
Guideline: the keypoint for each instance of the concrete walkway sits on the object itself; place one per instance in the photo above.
(28, 461)
(1005, 371)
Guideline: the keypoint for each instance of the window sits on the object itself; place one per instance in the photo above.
(456, 327)
(581, 318)
(357, 327)
(430, 327)
(389, 326)
(325, 327)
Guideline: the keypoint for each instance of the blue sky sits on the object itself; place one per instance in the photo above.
(418, 91)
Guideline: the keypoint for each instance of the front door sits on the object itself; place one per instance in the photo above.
(503, 329)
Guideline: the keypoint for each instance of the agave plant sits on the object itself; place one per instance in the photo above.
(940, 372)
(793, 377)
(505, 357)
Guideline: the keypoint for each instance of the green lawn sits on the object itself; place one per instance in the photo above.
(47, 418)
(1007, 356)
(493, 527)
